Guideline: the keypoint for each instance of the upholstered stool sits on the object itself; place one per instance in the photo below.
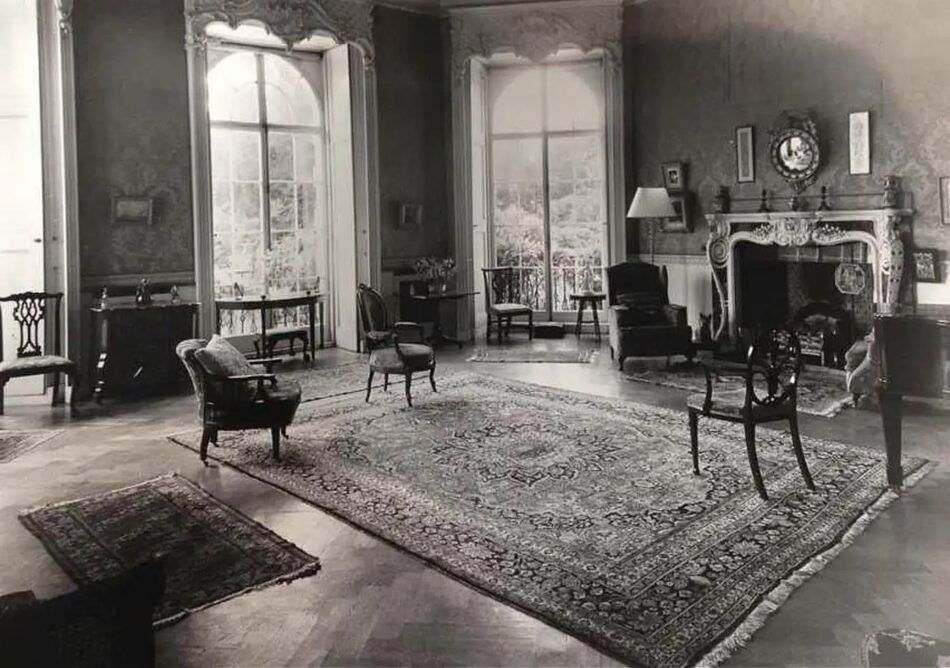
(402, 359)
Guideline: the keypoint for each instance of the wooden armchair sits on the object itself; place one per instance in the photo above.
(771, 381)
(389, 354)
(502, 297)
(232, 395)
(29, 312)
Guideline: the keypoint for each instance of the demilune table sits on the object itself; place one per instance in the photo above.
(437, 298)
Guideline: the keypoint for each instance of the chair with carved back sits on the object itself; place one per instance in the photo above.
(773, 364)
(502, 301)
(29, 312)
(397, 348)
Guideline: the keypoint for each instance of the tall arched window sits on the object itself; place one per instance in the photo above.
(548, 177)
(268, 172)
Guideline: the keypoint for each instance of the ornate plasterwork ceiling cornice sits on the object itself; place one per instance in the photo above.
(536, 31)
(291, 20)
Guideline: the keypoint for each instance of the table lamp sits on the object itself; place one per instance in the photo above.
(651, 203)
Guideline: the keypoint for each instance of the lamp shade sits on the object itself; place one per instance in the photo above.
(651, 203)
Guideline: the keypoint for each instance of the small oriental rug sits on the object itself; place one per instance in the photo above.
(15, 442)
(500, 355)
(580, 510)
(212, 552)
(903, 648)
(821, 391)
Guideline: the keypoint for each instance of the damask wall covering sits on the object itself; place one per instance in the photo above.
(697, 69)
(132, 134)
(413, 138)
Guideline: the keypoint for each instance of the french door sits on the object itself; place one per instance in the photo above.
(548, 176)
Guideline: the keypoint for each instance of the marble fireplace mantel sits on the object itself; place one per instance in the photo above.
(878, 229)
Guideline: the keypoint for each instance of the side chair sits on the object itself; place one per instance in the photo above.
(30, 311)
(773, 364)
(388, 351)
(502, 297)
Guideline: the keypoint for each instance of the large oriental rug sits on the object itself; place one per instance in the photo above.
(821, 390)
(212, 552)
(15, 442)
(516, 355)
(331, 381)
(580, 510)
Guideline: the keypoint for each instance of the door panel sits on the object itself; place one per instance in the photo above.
(21, 208)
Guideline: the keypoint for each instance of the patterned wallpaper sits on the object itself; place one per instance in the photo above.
(132, 134)
(697, 69)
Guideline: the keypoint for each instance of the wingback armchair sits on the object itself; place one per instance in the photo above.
(232, 395)
(643, 323)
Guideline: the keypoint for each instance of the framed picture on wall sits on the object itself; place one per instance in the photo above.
(926, 265)
(674, 176)
(745, 154)
(859, 134)
(945, 200)
(681, 221)
(410, 216)
(132, 210)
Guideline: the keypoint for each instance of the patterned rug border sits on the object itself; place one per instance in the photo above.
(771, 601)
(834, 409)
(725, 645)
(484, 355)
(43, 435)
(310, 569)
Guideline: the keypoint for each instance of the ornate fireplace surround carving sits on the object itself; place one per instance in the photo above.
(878, 229)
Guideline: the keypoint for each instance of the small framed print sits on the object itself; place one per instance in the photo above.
(410, 216)
(926, 265)
(859, 136)
(681, 221)
(945, 200)
(132, 210)
(745, 154)
(674, 176)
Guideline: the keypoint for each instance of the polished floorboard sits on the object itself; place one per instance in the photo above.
(374, 605)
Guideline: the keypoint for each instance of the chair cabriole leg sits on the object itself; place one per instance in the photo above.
(409, 389)
(754, 459)
(369, 385)
(799, 453)
(694, 439)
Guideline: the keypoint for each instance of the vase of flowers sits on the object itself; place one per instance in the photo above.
(436, 272)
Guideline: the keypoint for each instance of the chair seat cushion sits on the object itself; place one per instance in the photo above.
(283, 391)
(730, 403)
(417, 355)
(25, 366)
(220, 358)
(510, 309)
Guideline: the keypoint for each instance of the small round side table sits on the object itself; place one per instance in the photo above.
(585, 299)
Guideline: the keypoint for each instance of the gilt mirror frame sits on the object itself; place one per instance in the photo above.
(793, 125)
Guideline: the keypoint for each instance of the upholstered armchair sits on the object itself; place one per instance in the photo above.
(642, 321)
(232, 395)
(378, 327)
(107, 623)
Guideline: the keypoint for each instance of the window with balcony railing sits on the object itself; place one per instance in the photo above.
(548, 175)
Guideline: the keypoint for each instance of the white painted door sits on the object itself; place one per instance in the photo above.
(21, 206)
(342, 196)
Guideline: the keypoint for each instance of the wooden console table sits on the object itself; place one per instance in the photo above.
(915, 361)
(135, 347)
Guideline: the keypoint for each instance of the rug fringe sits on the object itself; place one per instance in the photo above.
(742, 634)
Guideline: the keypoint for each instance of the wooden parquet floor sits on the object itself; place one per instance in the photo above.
(374, 605)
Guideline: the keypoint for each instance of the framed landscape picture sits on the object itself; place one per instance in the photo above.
(745, 154)
(132, 210)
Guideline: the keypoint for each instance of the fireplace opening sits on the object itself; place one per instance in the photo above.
(777, 285)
